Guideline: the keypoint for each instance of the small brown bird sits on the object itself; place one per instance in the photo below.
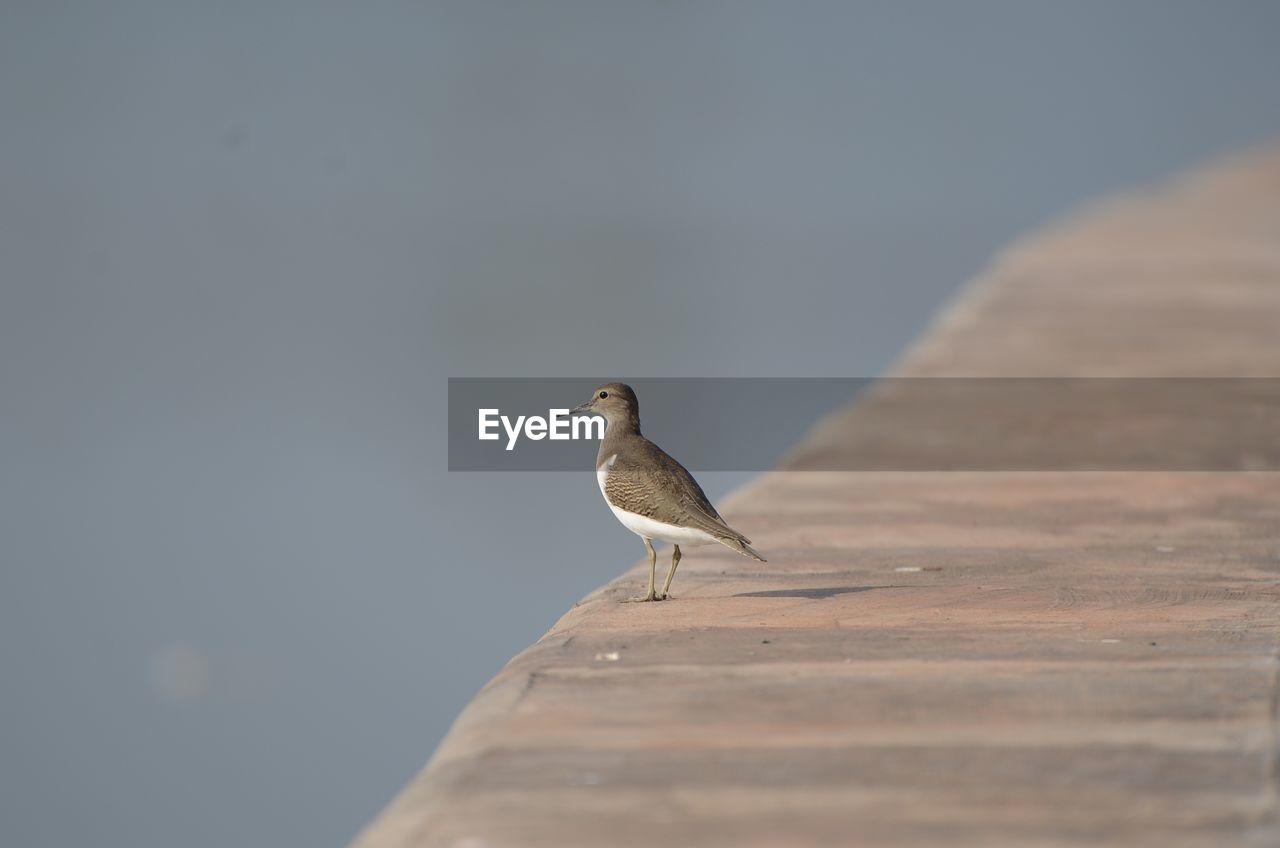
(653, 496)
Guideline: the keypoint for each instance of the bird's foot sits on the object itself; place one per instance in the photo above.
(662, 596)
(640, 599)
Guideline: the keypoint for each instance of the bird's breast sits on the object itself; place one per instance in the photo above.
(602, 473)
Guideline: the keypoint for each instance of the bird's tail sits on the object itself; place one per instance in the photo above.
(740, 545)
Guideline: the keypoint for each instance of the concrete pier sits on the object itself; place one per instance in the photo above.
(931, 658)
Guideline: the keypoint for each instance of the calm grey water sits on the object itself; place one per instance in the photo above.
(242, 246)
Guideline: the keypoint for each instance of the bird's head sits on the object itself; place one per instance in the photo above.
(615, 401)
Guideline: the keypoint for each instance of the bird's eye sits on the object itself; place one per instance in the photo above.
(603, 395)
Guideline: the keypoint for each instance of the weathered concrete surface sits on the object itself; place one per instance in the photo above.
(940, 658)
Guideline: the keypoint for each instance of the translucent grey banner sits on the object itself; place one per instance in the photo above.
(886, 424)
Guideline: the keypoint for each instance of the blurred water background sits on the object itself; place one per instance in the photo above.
(243, 245)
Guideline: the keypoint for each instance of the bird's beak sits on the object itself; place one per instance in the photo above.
(582, 409)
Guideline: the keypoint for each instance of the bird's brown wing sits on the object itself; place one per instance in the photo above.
(651, 483)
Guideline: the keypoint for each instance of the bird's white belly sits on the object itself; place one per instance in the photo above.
(646, 527)
(649, 529)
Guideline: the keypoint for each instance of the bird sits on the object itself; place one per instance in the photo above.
(652, 494)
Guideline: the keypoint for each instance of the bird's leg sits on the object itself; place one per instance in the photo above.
(666, 584)
(653, 569)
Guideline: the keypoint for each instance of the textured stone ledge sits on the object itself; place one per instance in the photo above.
(928, 658)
